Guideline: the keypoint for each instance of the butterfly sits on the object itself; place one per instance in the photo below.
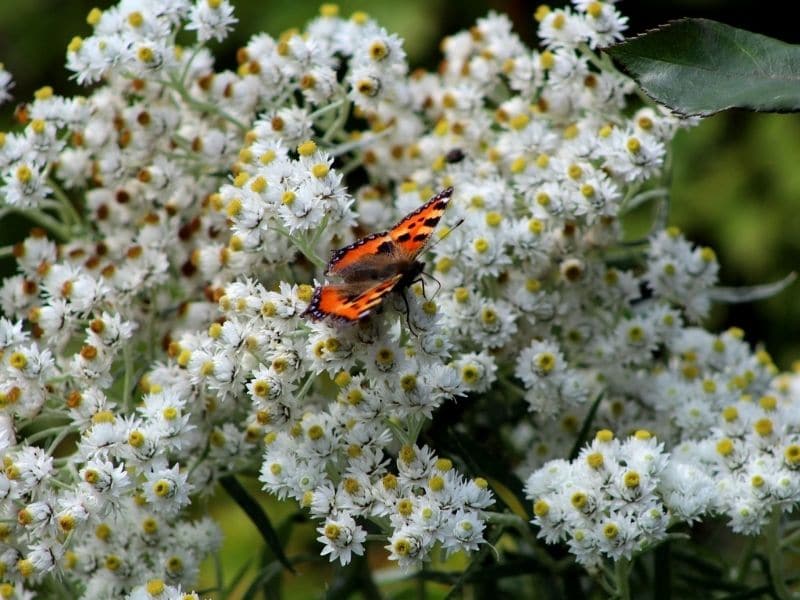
(373, 266)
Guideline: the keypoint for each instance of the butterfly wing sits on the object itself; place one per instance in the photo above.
(372, 266)
(349, 302)
(412, 233)
(346, 260)
(379, 256)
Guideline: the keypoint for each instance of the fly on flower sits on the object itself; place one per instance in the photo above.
(377, 264)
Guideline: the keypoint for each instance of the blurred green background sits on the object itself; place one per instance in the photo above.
(736, 183)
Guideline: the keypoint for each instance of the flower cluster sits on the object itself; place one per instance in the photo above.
(154, 343)
(605, 502)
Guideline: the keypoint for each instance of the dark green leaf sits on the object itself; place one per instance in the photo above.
(662, 572)
(356, 576)
(263, 577)
(583, 434)
(699, 67)
(259, 518)
(236, 579)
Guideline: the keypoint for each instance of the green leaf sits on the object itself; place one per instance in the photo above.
(733, 295)
(699, 67)
(259, 518)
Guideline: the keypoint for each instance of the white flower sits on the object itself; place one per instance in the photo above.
(211, 20)
(406, 547)
(341, 538)
(166, 490)
(6, 84)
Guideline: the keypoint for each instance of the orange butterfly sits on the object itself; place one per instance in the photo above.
(377, 264)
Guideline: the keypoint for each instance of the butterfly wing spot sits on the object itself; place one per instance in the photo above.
(412, 233)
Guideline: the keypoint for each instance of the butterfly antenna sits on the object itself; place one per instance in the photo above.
(446, 233)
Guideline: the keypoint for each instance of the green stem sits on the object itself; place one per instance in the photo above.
(622, 569)
(59, 484)
(45, 433)
(6, 251)
(326, 109)
(319, 230)
(188, 65)
(349, 167)
(44, 220)
(201, 106)
(776, 556)
(338, 124)
(301, 245)
(65, 431)
(127, 357)
(151, 328)
(356, 144)
(306, 387)
(743, 564)
(629, 203)
(512, 387)
(64, 201)
(505, 519)
(197, 462)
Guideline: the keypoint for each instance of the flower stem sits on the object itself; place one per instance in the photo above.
(45, 433)
(326, 109)
(622, 569)
(65, 202)
(775, 556)
(301, 244)
(44, 220)
(65, 431)
(360, 143)
(201, 106)
(306, 387)
(126, 380)
(338, 124)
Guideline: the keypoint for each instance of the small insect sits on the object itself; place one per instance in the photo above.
(377, 264)
(456, 155)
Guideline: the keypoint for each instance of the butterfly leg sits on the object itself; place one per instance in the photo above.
(438, 284)
(408, 312)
